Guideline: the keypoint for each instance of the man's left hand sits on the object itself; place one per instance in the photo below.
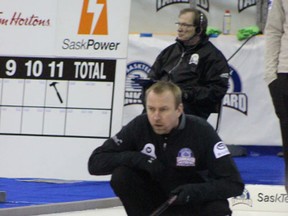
(184, 194)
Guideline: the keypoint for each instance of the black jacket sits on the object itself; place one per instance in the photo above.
(201, 71)
(191, 154)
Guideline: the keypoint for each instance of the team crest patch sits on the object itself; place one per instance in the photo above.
(117, 140)
(194, 59)
(149, 149)
(220, 150)
(185, 158)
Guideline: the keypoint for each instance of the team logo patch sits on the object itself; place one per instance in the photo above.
(244, 199)
(149, 149)
(194, 59)
(220, 150)
(185, 158)
(117, 140)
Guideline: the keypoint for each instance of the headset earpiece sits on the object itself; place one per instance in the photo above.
(201, 21)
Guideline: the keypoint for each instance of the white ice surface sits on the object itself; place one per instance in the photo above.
(119, 211)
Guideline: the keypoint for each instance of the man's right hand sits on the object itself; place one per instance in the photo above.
(147, 163)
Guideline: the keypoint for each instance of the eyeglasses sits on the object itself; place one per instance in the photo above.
(185, 25)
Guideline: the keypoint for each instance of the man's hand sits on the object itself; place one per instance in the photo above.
(184, 194)
(147, 163)
(187, 96)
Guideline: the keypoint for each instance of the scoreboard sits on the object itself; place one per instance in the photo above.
(56, 97)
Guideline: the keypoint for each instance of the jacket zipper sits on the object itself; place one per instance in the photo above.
(178, 63)
(165, 144)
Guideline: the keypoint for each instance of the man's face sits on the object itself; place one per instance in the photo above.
(162, 113)
(186, 29)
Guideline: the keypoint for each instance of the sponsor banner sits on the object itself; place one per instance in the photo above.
(247, 106)
(261, 198)
(96, 28)
(27, 27)
(87, 28)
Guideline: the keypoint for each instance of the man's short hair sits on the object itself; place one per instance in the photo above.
(200, 20)
(163, 86)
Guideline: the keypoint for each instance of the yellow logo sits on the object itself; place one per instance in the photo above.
(89, 22)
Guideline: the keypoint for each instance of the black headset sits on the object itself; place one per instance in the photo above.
(202, 23)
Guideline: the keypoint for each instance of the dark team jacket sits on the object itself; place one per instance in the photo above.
(193, 153)
(201, 71)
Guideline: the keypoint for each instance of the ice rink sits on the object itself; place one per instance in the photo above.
(119, 211)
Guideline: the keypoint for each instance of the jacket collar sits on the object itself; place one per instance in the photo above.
(182, 122)
(202, 41)
(181, 126)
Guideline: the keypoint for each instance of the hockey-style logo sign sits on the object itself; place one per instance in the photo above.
(244, 4)
(204, 4)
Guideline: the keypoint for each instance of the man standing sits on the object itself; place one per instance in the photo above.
(163, 153)
(276, 68)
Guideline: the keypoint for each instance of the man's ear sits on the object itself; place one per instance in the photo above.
(198, 30)
(180, 109)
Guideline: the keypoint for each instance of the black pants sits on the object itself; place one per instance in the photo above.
(141, 196)
(279, 93)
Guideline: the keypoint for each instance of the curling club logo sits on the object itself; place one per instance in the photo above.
(133, 90)
(244, 199)
(234, 98)
(185, 158)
